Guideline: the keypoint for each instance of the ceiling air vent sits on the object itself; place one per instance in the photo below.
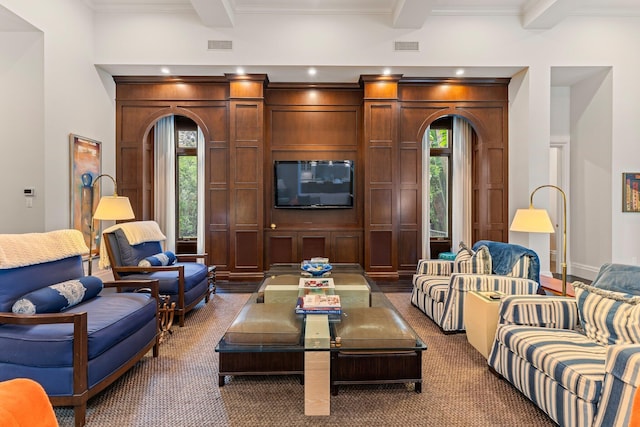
(220, 45)
(406, 46)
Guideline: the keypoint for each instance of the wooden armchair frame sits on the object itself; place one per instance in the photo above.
(119, 274)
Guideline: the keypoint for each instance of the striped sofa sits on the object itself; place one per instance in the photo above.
(577, 359)
(440, 286)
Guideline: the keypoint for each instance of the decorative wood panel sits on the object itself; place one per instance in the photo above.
(314, 245)
(409, 207)
(381, 124)
(381, 249)
(247, 123)
(410, 162)
(310, 128)
(380, 165)
(246, 207)
(246, 256)
(346, 248)
(218, 162)
(408, 250)
(219, 207)
(246, 159)
(218, 249)
(282, 247)
(381, 207)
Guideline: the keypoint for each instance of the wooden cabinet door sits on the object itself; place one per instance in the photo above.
(282, 247)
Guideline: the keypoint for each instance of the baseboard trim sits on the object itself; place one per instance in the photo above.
(582, 270)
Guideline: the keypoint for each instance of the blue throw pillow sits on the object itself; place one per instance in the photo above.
(58, 297)
(127, 254)
(157, 260)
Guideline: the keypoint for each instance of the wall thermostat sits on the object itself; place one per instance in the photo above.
(29, 192)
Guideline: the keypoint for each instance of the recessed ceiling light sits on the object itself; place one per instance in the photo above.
(459, 72)
(165, 70)
(312, 71)
(386, 71)
(240, 71)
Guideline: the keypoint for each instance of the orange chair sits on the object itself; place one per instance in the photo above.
(24, 403)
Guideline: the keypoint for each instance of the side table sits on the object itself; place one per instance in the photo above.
(481, 319)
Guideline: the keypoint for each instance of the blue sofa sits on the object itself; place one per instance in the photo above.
(60, 328)
(578, 359)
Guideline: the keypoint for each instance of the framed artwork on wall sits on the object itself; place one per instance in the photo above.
(631, 192)
(86, 165)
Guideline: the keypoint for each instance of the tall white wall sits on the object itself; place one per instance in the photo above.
(591, 154)
(22, 162)
(73, 97)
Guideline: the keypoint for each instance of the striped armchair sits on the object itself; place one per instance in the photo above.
(577, 359)
(440, 287)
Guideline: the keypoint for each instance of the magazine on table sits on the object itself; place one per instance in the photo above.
(319, 304)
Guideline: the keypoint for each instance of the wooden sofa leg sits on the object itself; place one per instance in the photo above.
(80, 414)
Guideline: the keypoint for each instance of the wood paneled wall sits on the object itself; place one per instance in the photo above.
(248, 123)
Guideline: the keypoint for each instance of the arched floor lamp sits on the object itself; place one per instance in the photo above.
(109, 208)
(534, 220)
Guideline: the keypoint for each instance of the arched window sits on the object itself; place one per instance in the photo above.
(178, 182)
(447, 185)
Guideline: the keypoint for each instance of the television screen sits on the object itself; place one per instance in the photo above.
(307, 184)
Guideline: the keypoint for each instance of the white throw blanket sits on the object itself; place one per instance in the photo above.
(19, 250)
(136, 232)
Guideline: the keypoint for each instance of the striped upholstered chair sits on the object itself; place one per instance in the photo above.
(440, 286)
(578, 359)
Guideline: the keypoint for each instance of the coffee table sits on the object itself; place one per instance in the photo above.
(369, 343)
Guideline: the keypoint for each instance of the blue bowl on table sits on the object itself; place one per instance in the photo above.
(316, 270)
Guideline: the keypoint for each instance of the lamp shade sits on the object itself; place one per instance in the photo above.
(532, 220)
(114, 207)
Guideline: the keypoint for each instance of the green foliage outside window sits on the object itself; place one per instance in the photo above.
(439, 184)
(187, 197)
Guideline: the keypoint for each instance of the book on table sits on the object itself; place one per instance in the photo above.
(316, 283)
(319, 304)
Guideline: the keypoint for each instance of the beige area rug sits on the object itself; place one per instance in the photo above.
(180, 387)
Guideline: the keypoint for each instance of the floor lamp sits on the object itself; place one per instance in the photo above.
(534, 220)
(109, 208)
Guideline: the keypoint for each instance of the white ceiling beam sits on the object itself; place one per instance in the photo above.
(214, 13)
(545, 14)
(412, 13)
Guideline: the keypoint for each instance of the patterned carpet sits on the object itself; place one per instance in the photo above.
(179, 388)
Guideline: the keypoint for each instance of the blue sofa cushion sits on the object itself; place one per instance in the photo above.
(58, 297)
(619, 278)
(47, 273)
(568, 357)
(157, 260)
(194, 274)
(608, 317)
(127, 255)
(112, 318)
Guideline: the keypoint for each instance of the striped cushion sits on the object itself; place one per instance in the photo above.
(434, 267)
(535, 310)
(608, 317)
(478, 263)
(436, 288)
(568, 357)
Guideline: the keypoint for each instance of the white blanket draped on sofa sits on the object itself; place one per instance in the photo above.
(19, 250)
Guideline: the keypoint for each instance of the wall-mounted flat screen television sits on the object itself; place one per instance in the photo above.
(310, 184)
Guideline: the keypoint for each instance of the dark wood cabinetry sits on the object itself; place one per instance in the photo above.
(293, 246)
(378, 123)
